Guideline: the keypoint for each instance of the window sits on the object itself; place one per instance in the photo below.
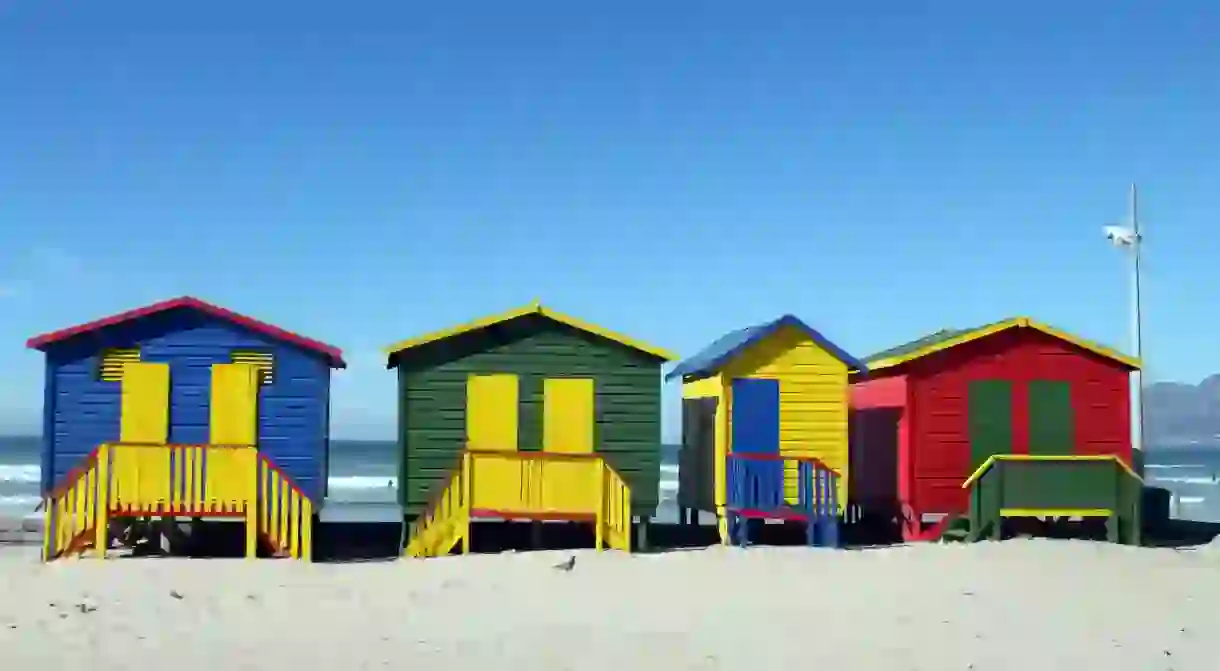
(264, 361)
(110, 369)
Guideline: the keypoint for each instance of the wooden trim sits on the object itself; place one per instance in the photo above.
(531, 309)
(766, 456)
(485, 513)
(1016, 322)
(978, 472)
(1056, 512)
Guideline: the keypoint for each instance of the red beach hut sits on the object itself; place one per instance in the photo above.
(933, 410)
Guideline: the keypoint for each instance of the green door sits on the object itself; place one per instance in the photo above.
(1051, 420)
(990, 408)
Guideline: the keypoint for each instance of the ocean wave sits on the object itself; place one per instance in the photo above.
(362, 482)
(1186, 480)
(669, 468)
(20, 473)
(19, 501)
(1172, 466)
(1188, 500)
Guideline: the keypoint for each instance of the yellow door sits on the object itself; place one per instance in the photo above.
(145, 404)
(567, 415)
(491, 412)
(234, 408)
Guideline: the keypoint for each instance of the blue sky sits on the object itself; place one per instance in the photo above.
(364, 172)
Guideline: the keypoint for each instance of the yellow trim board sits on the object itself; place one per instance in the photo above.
(1016, 322)
(1055, 512)
(978, 472)
(534, 308)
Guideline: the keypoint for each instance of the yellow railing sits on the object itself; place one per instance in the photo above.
(70, 511)
(148, 480)
(986, 465)
(530, 485)
(446, 522)
(615, 511)
(285, 514)
(180, 480)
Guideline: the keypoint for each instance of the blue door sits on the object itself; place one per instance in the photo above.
(755, 416)
(755, 482)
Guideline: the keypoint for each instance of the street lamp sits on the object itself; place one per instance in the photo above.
(1128, 239)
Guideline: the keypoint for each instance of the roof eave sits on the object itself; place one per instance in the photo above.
(536, 308)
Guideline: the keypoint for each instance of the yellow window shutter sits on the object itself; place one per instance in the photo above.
(567, 415)
(145, 403)
(113, 360)
(234, 404)
(263, 361)
(491, 412)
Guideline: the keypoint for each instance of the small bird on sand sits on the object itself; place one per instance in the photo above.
(566, 565)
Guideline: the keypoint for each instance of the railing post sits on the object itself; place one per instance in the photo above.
(101, 507)
(251, 501)
(599, 512)
(466, 503)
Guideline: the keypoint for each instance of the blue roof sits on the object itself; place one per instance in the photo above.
(713, 357)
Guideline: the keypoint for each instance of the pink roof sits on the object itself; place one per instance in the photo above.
(333, 354)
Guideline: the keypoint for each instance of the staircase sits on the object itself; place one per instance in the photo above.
(70, 512)
(445, 523)
(169, 481)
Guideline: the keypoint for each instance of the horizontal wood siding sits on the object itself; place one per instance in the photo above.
(940, 426)
(813, 399)
(432, 401)
(293, 408)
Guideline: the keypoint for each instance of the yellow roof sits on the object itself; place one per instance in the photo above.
(936, 344)
(534, 308)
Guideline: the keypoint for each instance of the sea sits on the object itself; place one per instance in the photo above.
(363, 480)
(363, 483)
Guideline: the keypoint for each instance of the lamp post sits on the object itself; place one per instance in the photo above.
(1128, 239)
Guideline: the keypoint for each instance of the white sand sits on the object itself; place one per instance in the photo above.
(1016, 605)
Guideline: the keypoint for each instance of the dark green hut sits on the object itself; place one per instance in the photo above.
(495, 381)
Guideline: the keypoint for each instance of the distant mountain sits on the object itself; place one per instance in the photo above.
(1182, 414)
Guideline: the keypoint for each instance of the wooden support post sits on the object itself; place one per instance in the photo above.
(307, 518)
(252, 501)
(535, 535)
(101, 508)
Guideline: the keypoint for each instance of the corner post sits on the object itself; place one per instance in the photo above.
(101, 520)
(251, 502)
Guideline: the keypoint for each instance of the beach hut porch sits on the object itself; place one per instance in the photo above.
(142, 475)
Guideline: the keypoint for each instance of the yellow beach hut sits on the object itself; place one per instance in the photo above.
(765, 428)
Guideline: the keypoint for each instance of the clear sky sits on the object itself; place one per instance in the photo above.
(364, 172)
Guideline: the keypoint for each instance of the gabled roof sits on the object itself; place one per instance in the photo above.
(332, 354)
(535, 308)
(946, 338)
(713, 357)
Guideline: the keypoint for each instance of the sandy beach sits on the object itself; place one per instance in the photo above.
(1024, 604)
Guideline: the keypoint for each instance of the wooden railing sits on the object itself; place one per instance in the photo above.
(756, 481)
(1055, 486)
(285, 514)
(446, 520)
(614, 511)
(150, 480)
(524, 485)
(756, 488)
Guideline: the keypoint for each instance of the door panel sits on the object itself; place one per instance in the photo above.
(567, 415)
(755, 416)
(697, 460)
(145, 403)
(990, 420)
(234, 404)
(491, 412)
(1052, 427)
